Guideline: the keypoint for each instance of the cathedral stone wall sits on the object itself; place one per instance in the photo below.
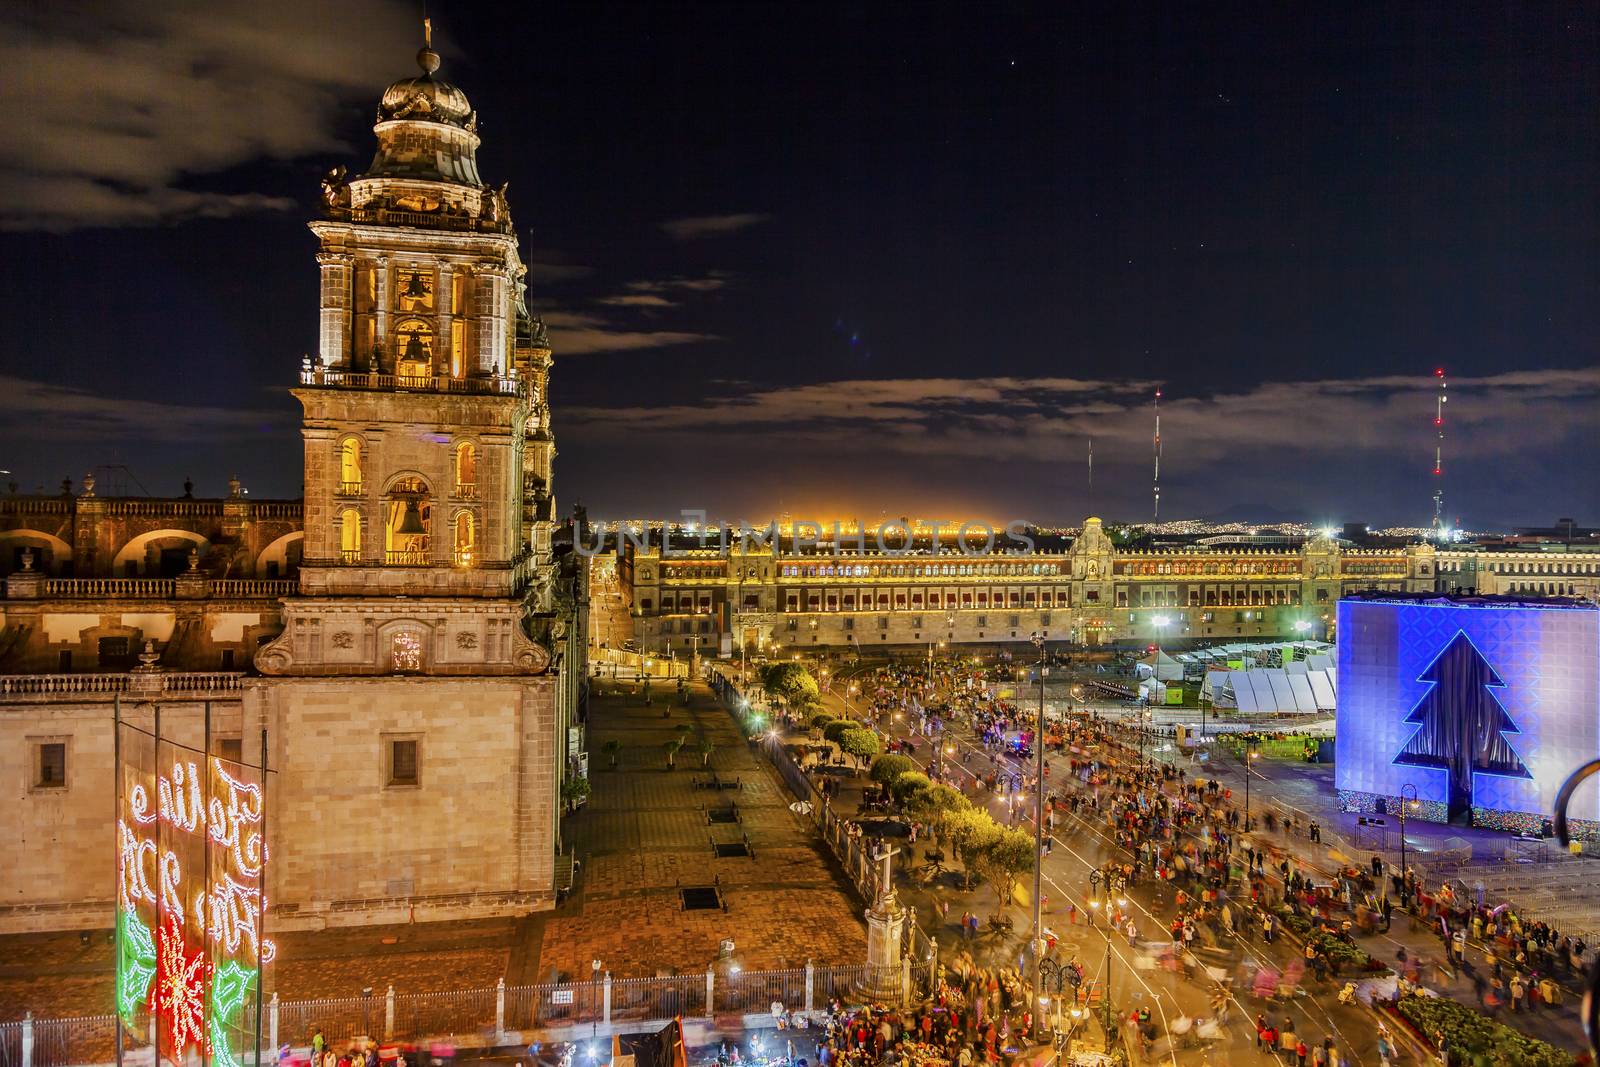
(473, 836)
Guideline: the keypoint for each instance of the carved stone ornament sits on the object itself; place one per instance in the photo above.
(344, 639)
(466, 639)
(527, 655)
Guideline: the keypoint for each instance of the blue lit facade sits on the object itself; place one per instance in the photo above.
(1482, 706)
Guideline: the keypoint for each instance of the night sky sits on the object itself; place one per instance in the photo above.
(856, 259)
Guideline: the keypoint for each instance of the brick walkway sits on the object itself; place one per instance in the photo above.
(645, 833)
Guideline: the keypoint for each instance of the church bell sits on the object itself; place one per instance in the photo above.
(414, 289)
(411, 521)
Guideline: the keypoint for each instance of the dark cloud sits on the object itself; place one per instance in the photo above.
(576, 333)
(34, 411)
(116, 108)
(712, 225)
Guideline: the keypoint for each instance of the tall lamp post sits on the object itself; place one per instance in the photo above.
(1038, 817)
(1407, 800)
(1095, 879)
(1250, 757)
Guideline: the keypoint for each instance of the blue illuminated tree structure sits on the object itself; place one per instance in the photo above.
(1461, 723)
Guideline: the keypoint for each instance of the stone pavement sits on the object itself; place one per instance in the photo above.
(645, 833)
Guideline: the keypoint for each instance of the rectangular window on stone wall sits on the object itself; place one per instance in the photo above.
(113, 652)
(50, 765)
(403, 768)
(232, 748)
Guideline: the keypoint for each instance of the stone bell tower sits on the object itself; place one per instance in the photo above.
(419, 649)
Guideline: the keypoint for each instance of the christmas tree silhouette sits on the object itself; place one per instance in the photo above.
(1461, 723)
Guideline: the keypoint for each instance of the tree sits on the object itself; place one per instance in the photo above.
(672, 748)
(820, 719)
(862, 744)
(885, 769)
(612, 748)
(971, 832)
(705, 746)
(1005, 858)
(836, 729)
(791, 683)
(575, 791)
(936, 807)
(907, 786)
(1461, 723)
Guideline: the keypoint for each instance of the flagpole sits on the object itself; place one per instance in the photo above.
(261, 896)
(116, 815)
(207, 976)
(155, 995)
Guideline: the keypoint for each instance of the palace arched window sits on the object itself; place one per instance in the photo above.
(467, 469)
(350, 466)
(350, 535)
(408, 517)
(466, 539)
(413, 343)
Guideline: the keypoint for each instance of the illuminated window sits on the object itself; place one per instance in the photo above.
(406, 650)
(350, 466)
(350, 535)
(466, 538)
(466, 468)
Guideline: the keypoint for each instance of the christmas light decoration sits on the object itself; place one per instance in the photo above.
(230, 985)
(136, 968)
(180, 994)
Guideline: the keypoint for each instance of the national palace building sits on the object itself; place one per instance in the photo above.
(407, 637)
(851, 592)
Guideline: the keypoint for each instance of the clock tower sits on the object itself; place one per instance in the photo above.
(432, 643)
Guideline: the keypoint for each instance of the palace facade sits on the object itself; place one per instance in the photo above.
(1089, 592)
(407, 637)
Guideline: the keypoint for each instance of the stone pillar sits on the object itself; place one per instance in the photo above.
(388, 1011)
(27, 1040)
(811, 982)
(605, 1000)
(272, 1024)
(711, 981)
(487, 314)
(381, 316)
(444, 349)
(500, 1011)
(886, 926)
(333, 340)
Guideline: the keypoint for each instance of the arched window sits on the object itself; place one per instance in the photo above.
(467, 470)
(350, 535)
(413, 342)
(408, 517)
(350, 467)
(466, 539)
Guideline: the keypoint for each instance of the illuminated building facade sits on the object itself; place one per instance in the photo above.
(1088, 593)
(408, 636)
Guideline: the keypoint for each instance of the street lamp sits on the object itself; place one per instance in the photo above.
(1251, 755)
(1038, 813)
(1406, 801)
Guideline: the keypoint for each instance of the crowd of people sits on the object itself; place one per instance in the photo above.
(1218, 874)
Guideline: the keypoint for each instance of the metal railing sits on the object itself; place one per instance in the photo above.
(432, 383)
(254, 587)
(96, 588)
(466, 491)
(406, 557)
(426, 220)
(349, 489)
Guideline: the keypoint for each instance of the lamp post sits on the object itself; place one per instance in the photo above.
(1251, 755)
(1038, 816)
(1405, 802)
(1095, 881)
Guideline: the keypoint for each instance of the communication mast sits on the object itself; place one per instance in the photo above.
(1158, 457)
(1439, 525)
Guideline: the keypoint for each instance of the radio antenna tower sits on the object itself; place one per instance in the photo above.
(1158, 457)
(1439, 524)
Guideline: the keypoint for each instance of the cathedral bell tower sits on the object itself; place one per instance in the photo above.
(428, 615)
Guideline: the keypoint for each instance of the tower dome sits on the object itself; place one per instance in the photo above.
(426, 127)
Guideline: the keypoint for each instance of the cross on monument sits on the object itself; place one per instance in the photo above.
(886, 877)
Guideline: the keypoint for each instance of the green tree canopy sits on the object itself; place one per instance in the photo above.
(862, 744)
(971, 833)
(836, 729)
(821, 719)
(885, 769)
(791, 683)
(905, 788)
(1005, 858)
(936, 806)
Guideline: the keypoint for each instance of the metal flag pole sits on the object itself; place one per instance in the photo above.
(116, 815)
(155, 995)
(205, 864)
(261, 894)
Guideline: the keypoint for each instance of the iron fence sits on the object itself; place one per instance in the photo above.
(63, 1042)
(554, 1004)
(754, 992)
(658, 998)
(451, 1014)
(339, 1018)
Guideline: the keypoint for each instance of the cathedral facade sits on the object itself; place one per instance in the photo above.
(407, 637)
